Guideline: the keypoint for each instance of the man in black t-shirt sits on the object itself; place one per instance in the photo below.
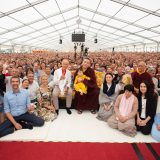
(2, 80)
(2, 90)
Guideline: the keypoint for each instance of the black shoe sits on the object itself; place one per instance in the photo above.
(57, 111)
(68, 111)
(93, 111)
(79, 111)
(26, 125)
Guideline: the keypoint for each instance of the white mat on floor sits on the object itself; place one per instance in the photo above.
(75, 128)
(86, 128)
(36, 134)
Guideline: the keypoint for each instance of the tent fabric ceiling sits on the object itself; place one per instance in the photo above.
(41, 23)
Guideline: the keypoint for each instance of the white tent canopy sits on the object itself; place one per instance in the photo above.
(122, 24)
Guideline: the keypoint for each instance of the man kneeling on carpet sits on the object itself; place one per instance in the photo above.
(17, 108)
(126, 107)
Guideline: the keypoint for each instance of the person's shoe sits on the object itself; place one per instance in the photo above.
(68, 111)
(57, 111)
(79, 111)
(93, 111)
(26, 125)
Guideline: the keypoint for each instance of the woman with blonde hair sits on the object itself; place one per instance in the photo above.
(45, 109)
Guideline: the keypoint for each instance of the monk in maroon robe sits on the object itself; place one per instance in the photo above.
(141, 75)
(87, 101)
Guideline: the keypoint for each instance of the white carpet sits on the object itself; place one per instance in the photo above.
(75, 128)
(36, 134)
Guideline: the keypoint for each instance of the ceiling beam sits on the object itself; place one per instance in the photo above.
(121, 20)
(100, 35)
(119, 29)
(22, 8)
(107, 33)
(38, 20)
(48, 33)
(42, 29)
(137, 7)
(51, 41)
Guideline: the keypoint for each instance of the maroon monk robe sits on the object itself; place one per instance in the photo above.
(88, 101)
(138, 78)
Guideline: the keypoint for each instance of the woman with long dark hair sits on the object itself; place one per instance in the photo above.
(107, 97)
(147, 105)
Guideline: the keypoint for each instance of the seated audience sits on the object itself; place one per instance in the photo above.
(21, 64)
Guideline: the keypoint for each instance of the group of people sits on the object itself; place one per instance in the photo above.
(121, 88)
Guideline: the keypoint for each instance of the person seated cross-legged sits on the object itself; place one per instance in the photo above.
(126, 107)
(17, 108)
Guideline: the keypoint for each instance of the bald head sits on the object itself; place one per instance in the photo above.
(142, 66)
(65, 63)
(142, 63)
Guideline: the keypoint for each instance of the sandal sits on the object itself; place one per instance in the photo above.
(79, 112)
(93, 111)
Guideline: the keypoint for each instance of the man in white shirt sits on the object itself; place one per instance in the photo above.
(62, 82)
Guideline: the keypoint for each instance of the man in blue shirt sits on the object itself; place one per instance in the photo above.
(18, 110)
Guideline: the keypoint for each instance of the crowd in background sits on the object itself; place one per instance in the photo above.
(114, 80)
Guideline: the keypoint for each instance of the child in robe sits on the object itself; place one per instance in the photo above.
(80, 86)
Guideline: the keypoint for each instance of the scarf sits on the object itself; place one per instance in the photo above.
(63, 72)
(139, 71)
(126, 105)
(110, 91)
(63, 82)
